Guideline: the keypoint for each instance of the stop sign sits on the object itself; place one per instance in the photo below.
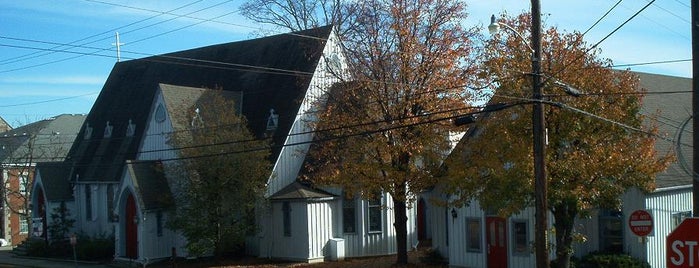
(641, 222)
(682, 244)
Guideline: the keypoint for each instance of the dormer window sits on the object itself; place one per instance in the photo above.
(108, 130)
(131, 129)
(88, 132)
(160, 113)
(272, 121)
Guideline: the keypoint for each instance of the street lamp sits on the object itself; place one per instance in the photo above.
(539, 137)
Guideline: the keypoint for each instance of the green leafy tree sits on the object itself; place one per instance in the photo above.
(221, 176)
(61, 224)
(590, 160)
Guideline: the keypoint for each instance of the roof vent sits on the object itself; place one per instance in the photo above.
(197, 121)
(272, 121)
(88, 132)
(108, 130)
(131, 129)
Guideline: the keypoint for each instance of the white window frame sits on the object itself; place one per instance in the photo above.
(373, 208)
(476, 231)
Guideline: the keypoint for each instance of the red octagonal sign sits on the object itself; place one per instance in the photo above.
(641, 222)
(682, 245)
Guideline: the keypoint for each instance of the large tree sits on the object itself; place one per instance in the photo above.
(221, 176)
(384, 132)
(593, 157)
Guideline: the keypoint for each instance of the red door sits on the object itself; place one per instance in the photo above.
(496, 229)
(131, 224)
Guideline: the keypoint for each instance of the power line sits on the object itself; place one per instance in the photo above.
(596, 44)
(33, 55)
(601, 18)
(47, 101)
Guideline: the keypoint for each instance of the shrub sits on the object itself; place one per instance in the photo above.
(95, 249)
(433, 257)
(37, 248)
(597, 259)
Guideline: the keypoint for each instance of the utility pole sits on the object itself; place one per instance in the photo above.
(539, 139)
(695, 106)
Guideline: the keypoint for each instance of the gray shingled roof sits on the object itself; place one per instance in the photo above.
(674, 104)
(52, 139)
(4, 126)
(54, 178)
(297, 190)
(150, 183)
(669, 96)
(178, 99)
(278, 79)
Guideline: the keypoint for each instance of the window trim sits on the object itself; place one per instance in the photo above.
(610, 215)
(516, 250)
(469, 231)
(286, 218)
(369, 207)
(352, 201)
(159, 223)
(88, 203)
(677, 217)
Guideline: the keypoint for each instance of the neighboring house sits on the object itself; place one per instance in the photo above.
(117, 169)
(470, 237)
(4, 126)
(21, 149)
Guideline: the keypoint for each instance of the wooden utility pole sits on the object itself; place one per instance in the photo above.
(539, 139)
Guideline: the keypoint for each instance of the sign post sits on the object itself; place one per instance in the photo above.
(641, 223)
(682, 245)
(73, 242)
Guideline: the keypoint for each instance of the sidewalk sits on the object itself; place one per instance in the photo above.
(7, 258)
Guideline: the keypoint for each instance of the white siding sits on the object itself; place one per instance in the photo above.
(291, 157)
(320, 228)
(295, 246)
(458, 254)
(99, 225)
(154, 144)
(661, 206)
(365, 243)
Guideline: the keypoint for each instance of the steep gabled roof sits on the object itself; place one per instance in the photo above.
(272, 72)
(4, 126)
(297, 190)
(41, 141)
(150, 183)
(54, 178)
(670, 97)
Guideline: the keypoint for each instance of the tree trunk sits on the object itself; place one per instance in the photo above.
(564, 218)
(401, 225)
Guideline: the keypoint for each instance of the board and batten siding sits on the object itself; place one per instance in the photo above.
(292, 247)
(154, 144)
(661, 205)
(364, 243)
(320, 228)
(291, 157)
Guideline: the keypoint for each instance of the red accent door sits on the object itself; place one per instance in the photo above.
(421, 230)
(496, 229)
(131, 224)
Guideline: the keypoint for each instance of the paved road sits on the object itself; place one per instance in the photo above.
(7, 259)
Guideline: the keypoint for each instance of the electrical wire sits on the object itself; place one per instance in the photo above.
(111, 31)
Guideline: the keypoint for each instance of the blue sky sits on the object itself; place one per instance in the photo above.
(39, 79)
